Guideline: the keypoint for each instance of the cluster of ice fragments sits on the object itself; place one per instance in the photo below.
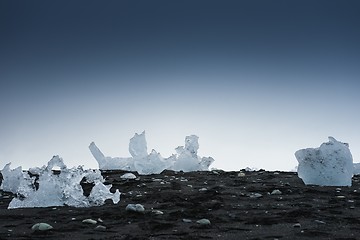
(62, 189)
(186, 158)
(329, 165)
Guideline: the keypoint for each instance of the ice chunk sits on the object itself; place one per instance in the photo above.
(101, 192)
(329, 165)
(16, 181)
(192, 144)
(109, 163)
(138, 146)
(151, 164)
(11, 178)
(205, 163)
(63, 188)
(185, 160)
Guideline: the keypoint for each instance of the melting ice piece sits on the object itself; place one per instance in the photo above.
(192, 144)
(11, 178)
(101, 192)
(63, 188)
(329, 165)
(151, 164)
(185, 160)
(109, 163)
(138, 146)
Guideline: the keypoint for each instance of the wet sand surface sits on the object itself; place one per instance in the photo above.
(239, 205)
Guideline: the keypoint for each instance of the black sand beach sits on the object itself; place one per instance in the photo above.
(239, 205)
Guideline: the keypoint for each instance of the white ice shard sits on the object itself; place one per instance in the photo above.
(185, 160)
(11, 178)
(110, 163)
(329, 165)
(16, 181)
(151, 164)
(138, 146)
(192, 144)
(101, 192)
(59, 189)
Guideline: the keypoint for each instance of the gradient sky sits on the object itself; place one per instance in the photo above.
(255, 80)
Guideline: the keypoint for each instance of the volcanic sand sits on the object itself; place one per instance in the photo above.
(239, 205)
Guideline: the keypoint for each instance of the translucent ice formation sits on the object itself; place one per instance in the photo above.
(138, 146)
(185, 160)
(55, 189)
(16, 181)
(110, 163)
(329, 165)
(356, 168)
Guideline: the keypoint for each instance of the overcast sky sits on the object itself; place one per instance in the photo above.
(255, 80)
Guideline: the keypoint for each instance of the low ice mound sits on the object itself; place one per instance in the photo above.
(61, 189)
(329, 165)
(186, 158)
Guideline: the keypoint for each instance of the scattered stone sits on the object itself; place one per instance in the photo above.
(255, 195)
(320, 222)
(42, 227)
(89, 221)
(157, 212)
(276, 192)
(203, 221)
(187, 220)
(202, 189)
(128, 176)
(100, 228)
(73, 219)
(297, 225)
(340, 197)
(241, 174)
(135, 208)
(100, 220)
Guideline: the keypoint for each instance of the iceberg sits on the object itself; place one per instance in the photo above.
(186, 158)
(49, 188)
(329, 165)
